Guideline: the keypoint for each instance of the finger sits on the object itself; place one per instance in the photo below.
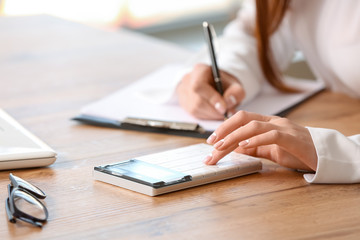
(270, 137)
(211, 95)
(202, 109)
(205, 87)
(233, 127)
(193, 102)
(233, 90)
(233, 95)
(275, 154)
(227, 127)
(294, 144)
(271, 152)
(218, 155)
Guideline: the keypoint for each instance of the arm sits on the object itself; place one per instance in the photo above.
(334, 157)
(338, 157)
(238, 62)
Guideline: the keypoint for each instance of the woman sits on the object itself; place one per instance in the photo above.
(256, 47)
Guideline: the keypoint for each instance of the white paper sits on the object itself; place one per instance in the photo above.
(150, 98)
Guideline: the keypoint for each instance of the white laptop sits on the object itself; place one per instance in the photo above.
(19, 148)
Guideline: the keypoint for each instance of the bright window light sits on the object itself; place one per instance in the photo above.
(88, 11)
(132, 13)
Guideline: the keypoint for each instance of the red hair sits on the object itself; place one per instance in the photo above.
(269, 14)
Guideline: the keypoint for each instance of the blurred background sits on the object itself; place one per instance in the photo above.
(177, 21)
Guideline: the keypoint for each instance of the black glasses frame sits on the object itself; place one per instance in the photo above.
(19, 188)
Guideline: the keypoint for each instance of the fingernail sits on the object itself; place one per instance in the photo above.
(221, 109)
(208, 158)
(211, 138)
(231, 101)
(244, 143)
(219, 143)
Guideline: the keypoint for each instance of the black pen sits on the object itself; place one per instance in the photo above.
(208, 30)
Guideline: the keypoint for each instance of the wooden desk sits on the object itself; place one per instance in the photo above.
(50, 68)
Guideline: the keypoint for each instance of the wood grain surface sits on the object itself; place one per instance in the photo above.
(50, 68)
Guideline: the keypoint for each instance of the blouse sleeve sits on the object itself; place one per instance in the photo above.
(338, 157)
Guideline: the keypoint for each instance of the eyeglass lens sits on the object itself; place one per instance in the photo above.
(23, 202)
(28, 204)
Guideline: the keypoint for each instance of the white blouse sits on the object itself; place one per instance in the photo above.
(327, 32)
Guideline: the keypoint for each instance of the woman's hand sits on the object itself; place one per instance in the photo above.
(274, 138)
(198, 96)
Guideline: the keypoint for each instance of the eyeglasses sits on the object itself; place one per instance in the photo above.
(23, 202)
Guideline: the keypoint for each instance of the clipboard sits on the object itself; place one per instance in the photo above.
(148, 125)
(147, 105)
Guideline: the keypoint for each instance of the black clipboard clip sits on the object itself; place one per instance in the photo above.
(164, 124)
(148, 125)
